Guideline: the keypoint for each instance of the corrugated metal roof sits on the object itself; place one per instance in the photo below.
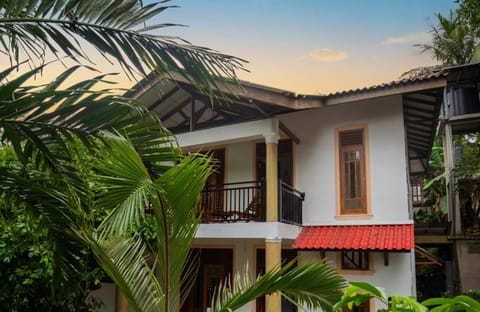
(422, 77)
(398, 237)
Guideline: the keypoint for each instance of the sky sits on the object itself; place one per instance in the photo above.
(313, 46)
(304, 46)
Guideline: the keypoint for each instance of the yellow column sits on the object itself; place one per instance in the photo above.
(273, 246)
(121, 302)
(272, 178)
(273, 258)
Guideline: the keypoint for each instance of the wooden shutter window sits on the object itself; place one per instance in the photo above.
(353, 137)
(352, 172)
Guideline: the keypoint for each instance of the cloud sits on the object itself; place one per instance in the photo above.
(327, 55)
(417, 37)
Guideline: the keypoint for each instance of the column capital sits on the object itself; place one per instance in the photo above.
(273, 240)
(271, 138)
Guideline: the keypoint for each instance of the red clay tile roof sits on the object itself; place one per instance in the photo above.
(397, 237)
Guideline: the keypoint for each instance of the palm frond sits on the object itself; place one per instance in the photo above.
(117, 29)
(126, 261)
(176, 221)
(453, 43)
(36, 120)
(125, 186)
(313, 285)
(129, 187)
(52, 202)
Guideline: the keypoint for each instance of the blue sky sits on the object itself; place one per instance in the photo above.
(313, 47)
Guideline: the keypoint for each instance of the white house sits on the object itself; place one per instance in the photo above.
(305, 176)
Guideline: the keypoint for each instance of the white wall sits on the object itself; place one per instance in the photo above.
(315, 156)
(469, 266)
(315, 159)
(244, 253)
(395, 278)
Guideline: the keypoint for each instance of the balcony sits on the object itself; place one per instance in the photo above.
(246, 201)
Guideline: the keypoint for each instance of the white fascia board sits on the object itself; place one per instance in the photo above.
(264, 230)
(251, 130)
(358, 222)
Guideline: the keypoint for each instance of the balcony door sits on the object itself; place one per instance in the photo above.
(215, 265)
(213, 199)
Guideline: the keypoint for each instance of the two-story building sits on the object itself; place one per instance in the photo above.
(305, 176)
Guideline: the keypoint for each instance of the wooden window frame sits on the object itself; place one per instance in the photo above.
(365, 211)
(367, 271)
(416, 187)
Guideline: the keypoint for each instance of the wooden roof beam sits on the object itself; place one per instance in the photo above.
(288, 132)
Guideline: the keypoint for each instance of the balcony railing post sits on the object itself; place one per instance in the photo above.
(280, 201)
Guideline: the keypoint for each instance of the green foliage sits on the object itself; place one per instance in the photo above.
(456, 38)
(358, 293)
(422, 215)
(29, 255)
(27, 268)
(453, 42)
(469, 12)
(314, 285)
(53, 130)
(458, 303)
(434, 187)
(84, 153)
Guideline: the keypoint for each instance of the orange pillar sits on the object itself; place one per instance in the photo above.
(121, 302)
(273, 246)
(273, 258)
(272, 177)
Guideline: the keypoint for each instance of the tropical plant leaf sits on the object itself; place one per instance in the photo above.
(126, 261)
(118, 30)
(128, 188)
(37, 119)
(378, 292)
(312, 285)
(458, 303)
(176, 221)
(358, 293)
(57, 206)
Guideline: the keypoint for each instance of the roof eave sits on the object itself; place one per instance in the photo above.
(405, 88)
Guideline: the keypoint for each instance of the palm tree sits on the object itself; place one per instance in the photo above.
(137, 162)
(453, 42)
(40, 121)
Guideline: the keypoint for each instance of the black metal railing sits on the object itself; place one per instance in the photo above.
(246, 201)
(233, 202)
(290, 204)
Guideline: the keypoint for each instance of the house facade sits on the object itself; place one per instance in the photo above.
(350, 167)
(304, 177)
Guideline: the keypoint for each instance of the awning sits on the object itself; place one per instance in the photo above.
(395, 237)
